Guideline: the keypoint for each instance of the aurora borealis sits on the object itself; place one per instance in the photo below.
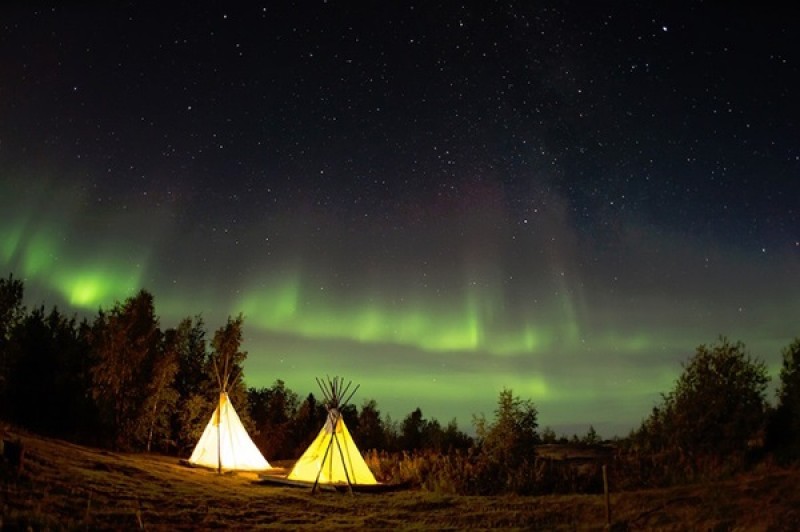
(435, 202)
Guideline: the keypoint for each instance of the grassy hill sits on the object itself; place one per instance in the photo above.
(62, 485)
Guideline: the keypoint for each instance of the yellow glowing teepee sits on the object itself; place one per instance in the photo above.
(333, 458)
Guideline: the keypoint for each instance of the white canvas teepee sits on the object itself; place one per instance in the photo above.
(333, 457)
(225, 443)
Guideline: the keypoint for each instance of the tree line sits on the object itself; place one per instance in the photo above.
(121, 381)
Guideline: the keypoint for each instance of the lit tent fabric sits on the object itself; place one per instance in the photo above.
(225, 443)
(330, 454)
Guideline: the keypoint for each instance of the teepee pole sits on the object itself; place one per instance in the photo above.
(343, 392)
(219, 435)
(325, 394)
(321, 465)
(347, 401)
(344, 462)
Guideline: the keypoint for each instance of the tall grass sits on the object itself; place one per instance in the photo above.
(473, 472)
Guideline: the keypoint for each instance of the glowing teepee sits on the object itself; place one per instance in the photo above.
(225, 443)
(333, 458)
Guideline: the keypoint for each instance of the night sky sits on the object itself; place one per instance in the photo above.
(433, 200)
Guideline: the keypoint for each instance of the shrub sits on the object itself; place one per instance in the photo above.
(706, 423)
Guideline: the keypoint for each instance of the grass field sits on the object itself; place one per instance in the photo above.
(66, 486)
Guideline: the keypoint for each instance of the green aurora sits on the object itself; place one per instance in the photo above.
(448, 350)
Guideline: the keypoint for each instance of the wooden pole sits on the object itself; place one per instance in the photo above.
(321, 465)
(219, 435)
(344, 462)
(608, 500)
